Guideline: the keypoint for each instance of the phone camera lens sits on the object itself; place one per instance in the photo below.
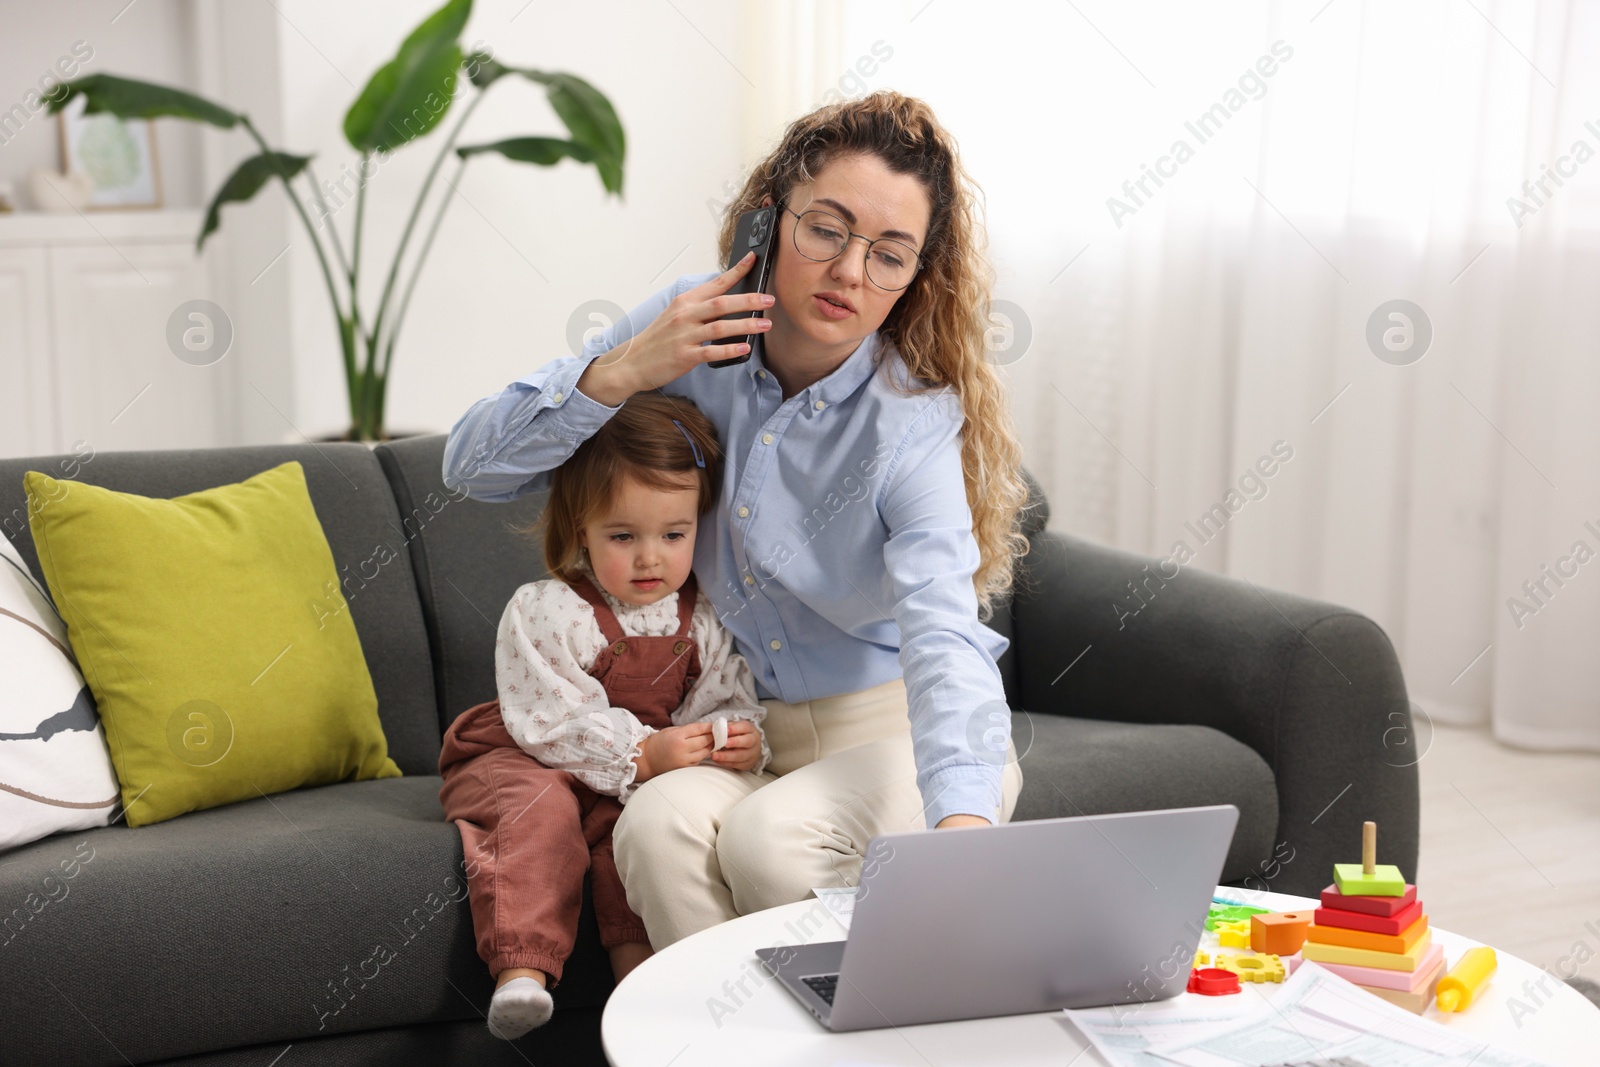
(758, 231)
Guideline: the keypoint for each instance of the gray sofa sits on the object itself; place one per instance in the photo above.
(226, 936)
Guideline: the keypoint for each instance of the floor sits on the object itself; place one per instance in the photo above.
(1511, 848)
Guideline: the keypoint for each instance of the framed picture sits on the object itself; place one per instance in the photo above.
(120, 156)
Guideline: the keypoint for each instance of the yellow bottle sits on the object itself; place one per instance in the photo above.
(1458, 989)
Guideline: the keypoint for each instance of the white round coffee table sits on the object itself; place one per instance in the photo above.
(706, 1002)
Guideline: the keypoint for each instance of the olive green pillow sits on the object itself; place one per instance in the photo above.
(213, 633)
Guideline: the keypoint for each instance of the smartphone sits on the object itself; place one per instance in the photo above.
(756, 230)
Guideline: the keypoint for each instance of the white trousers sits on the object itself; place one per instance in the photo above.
(701, 845)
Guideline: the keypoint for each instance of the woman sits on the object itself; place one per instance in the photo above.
(867, 518)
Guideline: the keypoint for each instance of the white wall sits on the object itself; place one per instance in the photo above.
(238, 59)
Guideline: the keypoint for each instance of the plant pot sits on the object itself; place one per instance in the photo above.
(295, 438)
(388, 435)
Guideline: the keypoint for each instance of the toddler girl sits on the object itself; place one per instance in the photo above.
(610, 673)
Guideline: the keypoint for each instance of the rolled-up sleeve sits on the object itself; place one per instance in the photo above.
(952, 680)
(507, 444)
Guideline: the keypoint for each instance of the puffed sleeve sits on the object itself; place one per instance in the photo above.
(726, 688)
(553, 708)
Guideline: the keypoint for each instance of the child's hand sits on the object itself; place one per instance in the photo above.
(743, 750)
(674, 747)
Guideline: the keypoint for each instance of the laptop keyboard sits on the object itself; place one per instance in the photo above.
(823, 985)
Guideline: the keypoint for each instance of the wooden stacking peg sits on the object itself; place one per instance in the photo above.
(1369, 877)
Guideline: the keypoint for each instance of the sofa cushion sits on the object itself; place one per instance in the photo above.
(468, 564)
(362, 525)
(55, 769)
(317, 912)
(1087, 767)
(180, 611)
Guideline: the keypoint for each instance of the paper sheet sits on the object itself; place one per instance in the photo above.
(1125, 1034)
(1318, 1016)
(841, 902)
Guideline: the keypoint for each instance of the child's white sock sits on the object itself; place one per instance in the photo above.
(517, 1007)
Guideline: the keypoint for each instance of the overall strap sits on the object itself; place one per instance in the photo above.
(687, 594)
(609, 626)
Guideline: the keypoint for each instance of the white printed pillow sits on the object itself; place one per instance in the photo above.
(55, 768)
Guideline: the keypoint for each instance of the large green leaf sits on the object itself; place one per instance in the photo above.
(588, 115)
(129, 99)
(246, 181)
(545, 151)
(409, 95)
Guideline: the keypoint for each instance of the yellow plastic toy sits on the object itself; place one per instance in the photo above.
(1253, 966)
(1249, 966)
(1458, 989)
(1234, 934)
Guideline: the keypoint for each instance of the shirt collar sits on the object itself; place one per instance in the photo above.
(834, 387)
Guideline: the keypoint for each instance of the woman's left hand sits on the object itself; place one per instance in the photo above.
(743, 750)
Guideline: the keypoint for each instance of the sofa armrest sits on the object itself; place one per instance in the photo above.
(1314, 688)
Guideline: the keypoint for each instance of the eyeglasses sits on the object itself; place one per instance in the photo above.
(821, 236)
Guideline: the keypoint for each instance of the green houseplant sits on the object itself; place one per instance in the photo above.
(404, 100)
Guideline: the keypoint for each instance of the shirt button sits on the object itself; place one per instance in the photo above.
(558, 397)
(761, 374)
(749, 580)
(819, 405)
(776, 644)
(766, 438)
(744, 513)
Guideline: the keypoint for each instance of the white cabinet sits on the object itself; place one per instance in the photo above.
(27, 390)
(84, 352)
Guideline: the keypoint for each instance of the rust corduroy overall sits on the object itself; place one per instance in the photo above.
(529, 832)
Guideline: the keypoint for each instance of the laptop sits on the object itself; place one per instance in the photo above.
(1025, 916)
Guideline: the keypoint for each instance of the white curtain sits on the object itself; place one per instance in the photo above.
(1340, 156)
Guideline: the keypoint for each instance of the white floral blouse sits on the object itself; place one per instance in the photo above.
(560, 715)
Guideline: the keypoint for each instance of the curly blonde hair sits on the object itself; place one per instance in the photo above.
(938, 326)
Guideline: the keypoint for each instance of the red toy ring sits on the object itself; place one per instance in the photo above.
(1212, 981)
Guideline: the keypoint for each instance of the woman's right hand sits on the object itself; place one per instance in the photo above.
(671, 748)
(671, 346)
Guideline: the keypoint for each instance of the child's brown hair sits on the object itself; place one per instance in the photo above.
(641, 441)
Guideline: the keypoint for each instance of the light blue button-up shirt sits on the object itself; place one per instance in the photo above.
(841, 553)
